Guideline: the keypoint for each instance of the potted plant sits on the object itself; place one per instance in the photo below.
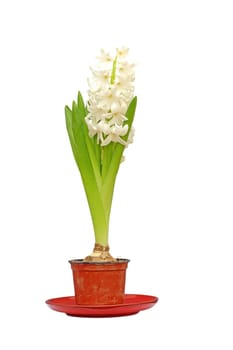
(99, 131)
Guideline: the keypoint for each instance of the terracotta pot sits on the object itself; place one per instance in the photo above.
(99, 283)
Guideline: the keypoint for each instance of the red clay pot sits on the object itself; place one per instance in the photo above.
(99, 283)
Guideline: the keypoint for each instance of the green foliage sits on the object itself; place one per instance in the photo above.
(98, 165)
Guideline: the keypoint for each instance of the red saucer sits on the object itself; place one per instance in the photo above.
(133, 303)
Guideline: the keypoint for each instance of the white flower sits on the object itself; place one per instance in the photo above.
(101, 78)
(104, 57)
(122, 52)
(110, 92)
(114, 134)
(108, 97)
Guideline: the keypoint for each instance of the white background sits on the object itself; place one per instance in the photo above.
(172, 210)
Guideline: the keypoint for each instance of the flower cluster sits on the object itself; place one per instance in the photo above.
(110, 92)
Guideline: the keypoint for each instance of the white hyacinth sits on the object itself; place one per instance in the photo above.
(110, 92)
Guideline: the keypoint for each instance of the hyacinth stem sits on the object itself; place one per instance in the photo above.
(113, 75)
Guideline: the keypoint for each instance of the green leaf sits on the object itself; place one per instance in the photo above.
(91, 146)
(119, 148)
(113, 167)
(77, 133)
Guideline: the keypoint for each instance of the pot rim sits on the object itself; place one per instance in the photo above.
(81, 261)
